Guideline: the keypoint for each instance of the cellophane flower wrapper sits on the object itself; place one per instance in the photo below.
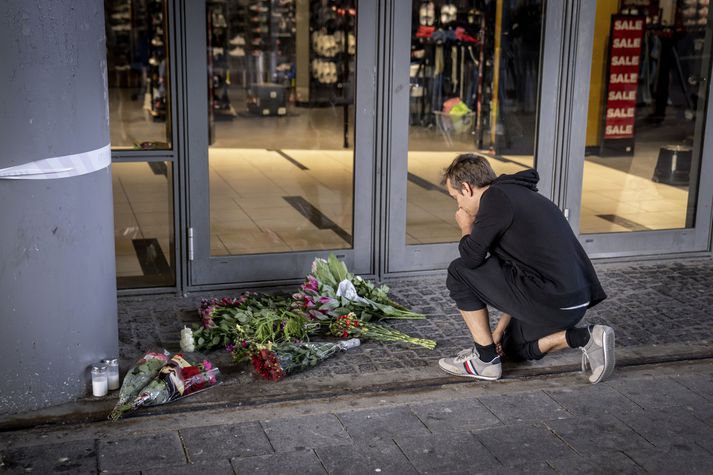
(277, 361)
(137, 378)
(177, 379)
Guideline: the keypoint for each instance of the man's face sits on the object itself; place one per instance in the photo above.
(465, 197)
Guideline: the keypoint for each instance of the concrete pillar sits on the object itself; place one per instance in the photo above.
(57, 270)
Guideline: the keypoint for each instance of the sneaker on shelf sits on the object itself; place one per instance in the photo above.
(156, 41)
(237, 52)
(469, 365)
(237, 40)
(598, 353)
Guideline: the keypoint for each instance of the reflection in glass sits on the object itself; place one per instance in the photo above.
(281, 95)
(143, 224)
(139, 103)
(646, 115)
(474, 81)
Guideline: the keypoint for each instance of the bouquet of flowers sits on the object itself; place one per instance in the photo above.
(331, 290)
(350, 326)
(137, 378)
(274, 362)
(231, 322)
(177, 379)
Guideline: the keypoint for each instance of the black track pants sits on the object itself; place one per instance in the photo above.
(473, 289)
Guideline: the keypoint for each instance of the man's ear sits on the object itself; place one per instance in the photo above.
(466, 189)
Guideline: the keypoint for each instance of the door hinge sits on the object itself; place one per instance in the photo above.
(566, 214)
(190, 244)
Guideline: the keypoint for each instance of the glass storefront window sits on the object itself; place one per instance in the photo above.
(137, 67)
(474, 82)
(281, 109)
(143, 224)
(646, 115)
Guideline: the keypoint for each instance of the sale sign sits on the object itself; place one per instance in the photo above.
(624, 55)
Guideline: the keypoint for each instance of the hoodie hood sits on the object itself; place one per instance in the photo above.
(527, 178)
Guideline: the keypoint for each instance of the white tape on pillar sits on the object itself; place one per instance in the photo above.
(60, 167)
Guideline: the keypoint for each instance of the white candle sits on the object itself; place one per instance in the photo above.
(187, 343)
(99, 386)
(112, 372)
(114, 381)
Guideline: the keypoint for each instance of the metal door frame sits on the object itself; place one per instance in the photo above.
(397, 257)
(206, 271)
(639, 243)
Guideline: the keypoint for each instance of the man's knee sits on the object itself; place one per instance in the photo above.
(455, 272)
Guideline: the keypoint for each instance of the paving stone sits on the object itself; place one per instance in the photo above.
(593, 400)
(530, 406)
(590, 435)
(285, 463)
(649, 303)
(141, 452)
(65, 457)
(321, 430)
(382, 423)
(669, 426)
(656, 392)
(225, 441)
(514, 443)
(603, 462)
(219, 467)
(679, 458)
(379, 457)
(701, 384)
(535, 468)
(459, 415)
(447, 453)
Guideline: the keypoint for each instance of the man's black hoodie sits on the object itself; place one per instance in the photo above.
(534, 242)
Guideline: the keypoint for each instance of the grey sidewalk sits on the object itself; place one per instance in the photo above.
(656, 419)
(661, 311)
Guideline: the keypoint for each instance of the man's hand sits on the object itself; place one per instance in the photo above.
(465, 221)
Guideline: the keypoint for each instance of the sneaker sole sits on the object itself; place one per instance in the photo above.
(473, 376)
(609, 358)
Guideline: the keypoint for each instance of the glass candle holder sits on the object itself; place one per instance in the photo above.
(112, 372)
(100, 383)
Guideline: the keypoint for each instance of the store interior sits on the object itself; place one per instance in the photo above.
(281, 122)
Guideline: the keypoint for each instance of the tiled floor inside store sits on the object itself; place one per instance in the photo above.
(289, 200)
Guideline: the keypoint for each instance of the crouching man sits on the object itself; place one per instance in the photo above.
(519, 255)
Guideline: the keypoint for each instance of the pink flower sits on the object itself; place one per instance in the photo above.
(324, 300)
(311, 284)
(230, 347)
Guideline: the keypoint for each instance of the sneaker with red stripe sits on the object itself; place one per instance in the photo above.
(468, 364)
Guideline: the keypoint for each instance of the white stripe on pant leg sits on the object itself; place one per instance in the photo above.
(64, 166)
(576, 306)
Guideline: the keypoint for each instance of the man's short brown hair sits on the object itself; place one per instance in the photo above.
(469, 168)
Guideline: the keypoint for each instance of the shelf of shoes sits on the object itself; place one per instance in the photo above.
(155, 98)
(283, 36)
(332, 52)
(693, 14)
(218, 48)
(118, 34)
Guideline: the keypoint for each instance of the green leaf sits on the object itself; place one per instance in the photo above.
(337, 268)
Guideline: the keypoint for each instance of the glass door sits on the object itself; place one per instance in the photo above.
(645, 153)
(468, 79)
(278, 160)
